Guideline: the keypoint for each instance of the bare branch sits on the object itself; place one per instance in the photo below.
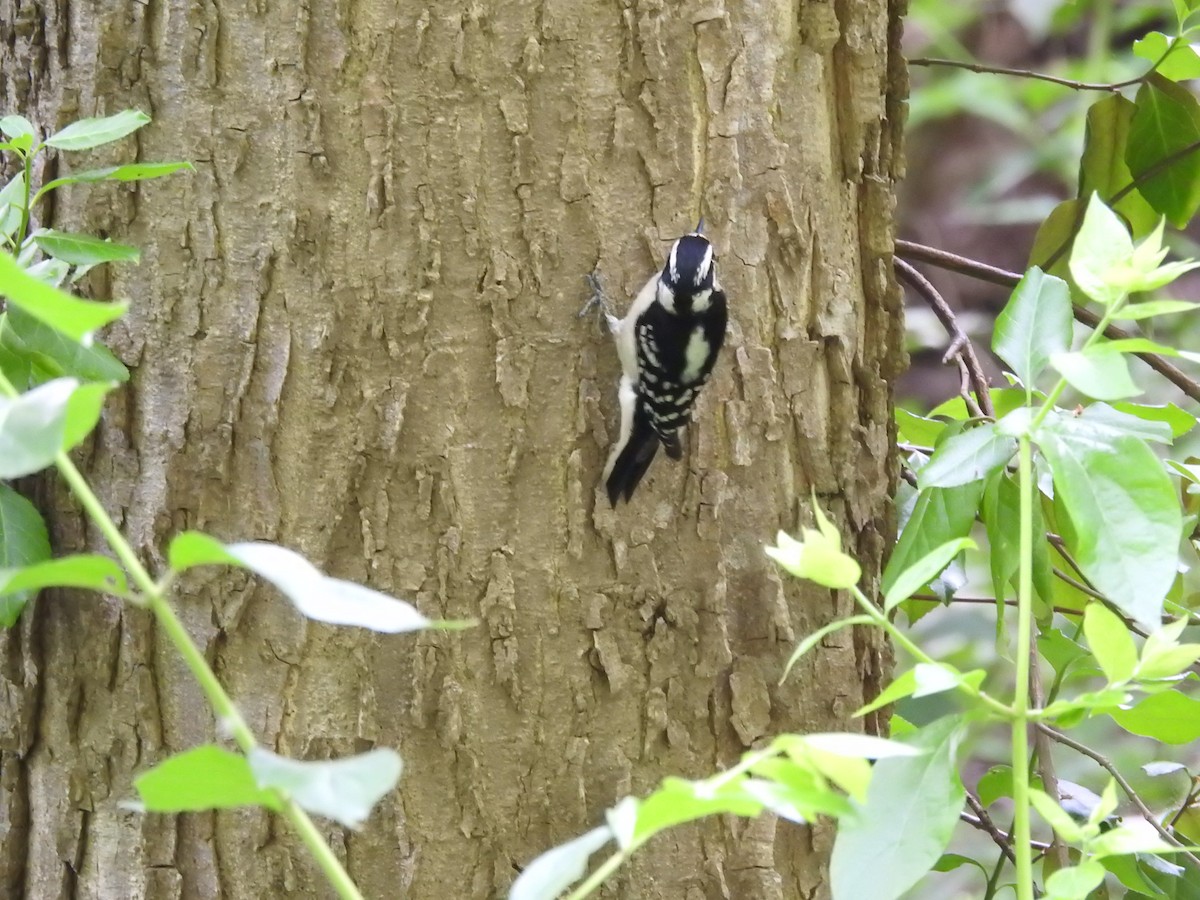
(983, 822)
(960, 342)
(982, 272)
(1025, 73)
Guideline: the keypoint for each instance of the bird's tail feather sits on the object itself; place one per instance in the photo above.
(630, 465)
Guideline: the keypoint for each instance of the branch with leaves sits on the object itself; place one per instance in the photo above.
(53, 382)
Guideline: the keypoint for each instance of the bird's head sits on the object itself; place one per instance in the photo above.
(690, 274)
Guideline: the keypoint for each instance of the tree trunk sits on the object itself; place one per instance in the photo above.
(353, 333)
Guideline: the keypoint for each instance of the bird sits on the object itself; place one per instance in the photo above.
(668, 343)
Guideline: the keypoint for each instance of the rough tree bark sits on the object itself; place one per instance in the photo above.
(354, 333)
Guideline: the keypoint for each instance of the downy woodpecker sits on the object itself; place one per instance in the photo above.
(668, 343)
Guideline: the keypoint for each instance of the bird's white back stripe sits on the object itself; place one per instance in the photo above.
(695, 355)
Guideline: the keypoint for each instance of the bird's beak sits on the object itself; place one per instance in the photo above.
(700, 226)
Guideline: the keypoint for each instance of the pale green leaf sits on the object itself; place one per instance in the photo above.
(344, 790)
(87, 133)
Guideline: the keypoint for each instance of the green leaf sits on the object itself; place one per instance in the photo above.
(1125, 868)
(1132, 312)
(32, 427)
(917, 430)
(970, 456)
(1166, 662)
(1178, 421)
(205, 777)
(314, 594)
(995, 783)
(902, 686)
(819, 635)
(82, 249)
(939, 515)
(858, 746)
(1060, 651)
(83, 413)
(1170, 717)
(1125, 839)
(1056, 232)
(1167, 120)
(1096, 373)
(75, 318)
(1103, 169)
(818, 558)
(1055, 816)
(194, 548)
(23, 542)
(1107, 805)
(948, 862)
(796, 804)
(1001, 513)
(344, 790)
(1004, 399)
(87, 133)
(1111, 643)
(912, 808)
(550, 874)
(1035, 324)
(934, 678)
(1069, 713)
(1075, 881)
(1174, 57)
(924, 570)
(923, 680)
(131, 172)
(14, 127)
(53, 354)
(1136, 345)
(1125, 516)
(679, 801)
(88, 571)
(1102, 243)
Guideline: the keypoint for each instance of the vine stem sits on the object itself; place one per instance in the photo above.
(227, 712)
(1020, 709)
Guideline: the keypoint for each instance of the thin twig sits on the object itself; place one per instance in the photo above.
(1042, 749)
(1112, 770)
(1056, 541)
(997, 835)
(964, 379)
(1186, 805)
(986, 601)
(983, 822)
(952, 262)
(960, 343)
(1026, 73)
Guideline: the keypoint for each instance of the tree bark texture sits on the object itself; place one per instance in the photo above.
(354, 333)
